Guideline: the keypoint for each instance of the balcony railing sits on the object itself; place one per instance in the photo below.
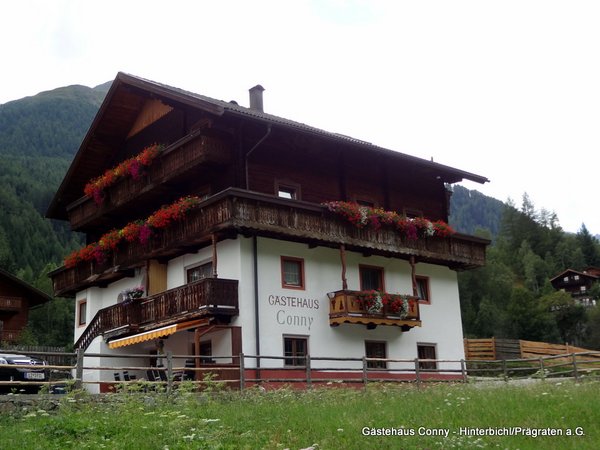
(238, 211)
(212, 297)
(344, 307)
(8, 303)
(178, 158)
(9, 335)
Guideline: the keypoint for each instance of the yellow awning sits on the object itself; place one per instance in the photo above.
(157, 333)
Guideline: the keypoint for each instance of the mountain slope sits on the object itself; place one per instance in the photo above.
(38, 137)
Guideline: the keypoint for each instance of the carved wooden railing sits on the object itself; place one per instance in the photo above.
(237, 210)
(10, 303)
(206, 297)
(344, 307)
(178, 158)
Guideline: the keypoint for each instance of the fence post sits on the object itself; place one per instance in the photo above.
(308, 374)
(417, 372)
(542, 374)
(365, 375)
(79, 369)
(169, 372)
(504, 370)
(463, 370)
(242, 373)
(575, 372)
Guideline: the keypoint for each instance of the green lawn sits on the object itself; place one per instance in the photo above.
(331, 418)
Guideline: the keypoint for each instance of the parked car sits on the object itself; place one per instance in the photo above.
(37, 371)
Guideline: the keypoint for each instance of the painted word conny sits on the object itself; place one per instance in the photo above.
(285, 317)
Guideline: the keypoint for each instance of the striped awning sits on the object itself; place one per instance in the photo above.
(157, 333)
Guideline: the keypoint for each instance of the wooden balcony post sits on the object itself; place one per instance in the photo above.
(214, 255)
(413, 276)
(343, 258)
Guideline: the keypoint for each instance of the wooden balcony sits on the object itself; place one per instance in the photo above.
(345, 308)
(9, 335)
(8, 303)
(177, 160)
(210, 297)
(234, 211)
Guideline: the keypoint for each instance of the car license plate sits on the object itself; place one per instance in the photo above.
(34, 375)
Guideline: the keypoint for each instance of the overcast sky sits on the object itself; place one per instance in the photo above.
(505, 89)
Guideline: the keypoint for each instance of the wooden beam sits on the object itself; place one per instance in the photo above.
(413, 276)
(343, 258)
(214, 255)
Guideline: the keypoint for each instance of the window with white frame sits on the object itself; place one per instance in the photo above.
(199, 272)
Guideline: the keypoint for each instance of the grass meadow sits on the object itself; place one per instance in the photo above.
(440, 416)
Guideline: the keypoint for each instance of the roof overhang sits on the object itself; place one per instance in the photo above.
(123, 102)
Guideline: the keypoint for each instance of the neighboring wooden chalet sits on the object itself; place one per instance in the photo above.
(16, 298)
(246, 232)
(578, 284)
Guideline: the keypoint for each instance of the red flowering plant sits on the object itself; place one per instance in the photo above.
(132, 167)
(140, 230)
(371, 301)
(397, 304)
(374, 218)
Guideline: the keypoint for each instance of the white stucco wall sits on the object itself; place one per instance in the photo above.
(294, 312)
(441, 319)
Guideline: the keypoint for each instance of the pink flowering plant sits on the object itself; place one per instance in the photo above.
(374, 218)
(141, 231)
(133, 167)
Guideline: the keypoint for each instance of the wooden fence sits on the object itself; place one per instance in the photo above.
(244, 373)
(500, 349)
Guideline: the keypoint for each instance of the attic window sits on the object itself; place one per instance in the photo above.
(412, 213)
(291, 191)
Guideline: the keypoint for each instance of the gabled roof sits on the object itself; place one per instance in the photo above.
(121, 106)
(35, 296)
(574, 272)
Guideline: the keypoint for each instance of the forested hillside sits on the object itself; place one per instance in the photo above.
(510, 297)
(471, 211)
(38, 138)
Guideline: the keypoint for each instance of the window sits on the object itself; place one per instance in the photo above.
(199, 272)
(367, 203)
(576, 277)
(412, 213)
(292, 272)
(582, 288)
(81, 312)
(290, 191)
(423, 289)
(566, 279)
(206, 352)
(427, 351)
(295, 350)
(371, 278)
(376, 349)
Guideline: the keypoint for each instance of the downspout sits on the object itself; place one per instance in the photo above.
(256, 302)
(250, 152)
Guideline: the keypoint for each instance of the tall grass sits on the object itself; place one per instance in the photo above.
(331, 418)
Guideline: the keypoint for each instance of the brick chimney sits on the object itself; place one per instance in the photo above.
(256, 97)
